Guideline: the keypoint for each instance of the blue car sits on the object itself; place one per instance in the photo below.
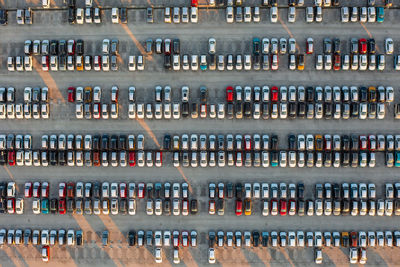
(45, 206)
(380, 14)
(397, 159)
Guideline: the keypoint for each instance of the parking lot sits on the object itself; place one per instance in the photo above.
(234, 38)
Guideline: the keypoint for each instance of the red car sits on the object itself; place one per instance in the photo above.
(353, 239)
(96, 110)
(45, 253)
(28, 190)
(71, 94)
(229, 94)
(362, 46)
(239, 207)
(274, 94)
(363, 142)
(11, 158)
(283, 207)
(132, 161)
(247, 142)
(195, 3)
(337, 62)
(71, 190)
(61, 206)
(96, 158)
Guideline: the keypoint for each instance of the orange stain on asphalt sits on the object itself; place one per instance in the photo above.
(136, 42)
(263, 255)
(188, 258)
(185, 178)
(146, 127)
(9, 173)
(337, 256)
(31, 256)
(13, 257)
(54, 91)
(234, 257)
(390, 257)
(286, 255)
(288, 31)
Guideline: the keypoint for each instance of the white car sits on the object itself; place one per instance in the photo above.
(274, 15)
(389, 46)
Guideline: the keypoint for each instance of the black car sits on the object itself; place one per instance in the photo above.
(195, 110)
(300, 190)
(229, 111)
(96, 189)
(247, 110)
(3, 17)
(301, 207)
(354, 109)
(167, 207)
(3, 190)
(354, 142)
(239, 190)
(72, 3)
(363, 94)
(336, 46)
(70, 205)
(203, 94)
(185, 109)
(54, 47)
(239, 110)
(301, 110)
(256, 62)
(80, 47)
(176, 46)
(104, 142)
(53, 158)
(345, 159)
(229, 190)
(149, 15)
(123, 15)
(71, 15)
(327, 111)
(211, 239)
(79, 238)
(274, 142)
(150, 191)
(123, 206)
(167, 62)
(131, 238)
(256, 238)
(96, 142)
(62, 158)
(292, 110)
(3, 205)
(122, 142)
(193, 206)
(265, 111)
(292, 142)
(62, 63)
(113, 142)
(256, 46)
(345, 207)
(371, 46)
(310, 94)
(354, 159)
(3, 158)
(167, 142)
(212, 61)
(54, 205)
(62, 47)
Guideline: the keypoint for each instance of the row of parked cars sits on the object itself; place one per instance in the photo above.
(303, 239)
(41, 237)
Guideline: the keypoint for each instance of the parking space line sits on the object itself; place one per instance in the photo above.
(337, 256)
(136, 42)
(236, 257)
(387, 257)
(185, 178)
(32, 259)
(370, 36)
(55, 93)
(288, 31)
(146, 127)
(13, 257)
(263, 255)
(188, 258)
(9, 173)
(285, 254)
